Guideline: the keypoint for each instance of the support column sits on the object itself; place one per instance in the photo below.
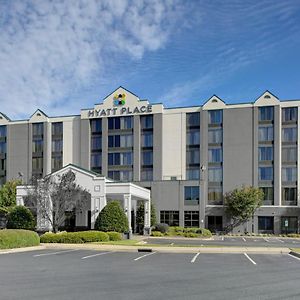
(97, 204)
(127, 207)
(147, 217)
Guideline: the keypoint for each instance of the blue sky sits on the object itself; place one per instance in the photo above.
(61, 56)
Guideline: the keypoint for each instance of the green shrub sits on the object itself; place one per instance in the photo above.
(16, 238)
(204, 232)
(293, 235)
(156, 233)
(20, 217)
(74, 237)
(161, 227)
(114, 236)
(112, 218)
(191, 234)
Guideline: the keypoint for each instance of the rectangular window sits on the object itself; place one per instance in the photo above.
(37, 129)
(266, 224)
(266, 113)
(215, 174)
(215, 136)
(193, 137)
(265, 173)
(96, 143)
(2, 131)
(289, 174)
(265, 134)
(96, 160)
(37, 164)
(147, 122)
(265, 153)
(57, 145)
(147, 139)
(56, 163)
(37, 146)
(215, 196)
(147, 158)
(290, 114)
(123, 158)
(215, 155)
(268, 195)
(147, 174)
(57, 128)
(289, 196)
(193, 119)
(120, 123)
(289, 154)
(169, 217)
(191, 193)
(215, 117)
(192, 173)
(193, 156)
(289, 134)
(191, 219)
(96, 126)
(289, 225)
(120, 175)
(126, 141)
(2, 147)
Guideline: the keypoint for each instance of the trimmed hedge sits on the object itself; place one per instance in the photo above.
(80, 237)
(185, 232)
(20, 217)
(16, 238)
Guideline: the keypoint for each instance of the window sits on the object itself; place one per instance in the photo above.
(38, 129)
(57, 145)
(289, 174)
(289, 114)
(124, 158)
(2, 131)
(215, 155)
(266, 224)
(289, 196)
(56, 163)
(193, 156)
(265, 153)
(37, 163)
(265, 173)
(215, 136)
(96, 126)
(169, 217)
(289, 154)
(193, 173)
(147, 122)
(193, 119)
(215, 196)
(215, 174)
(191, 193)
(57, 128)
(2, 147)
(147, 139)
(193, 137)
(95, 160)
(265, 133)
(96, 143)
(120, 175)
(147, 158)
(126, 141)
(147, 174)
(215, 117)
(266, 113)
(268, 195)
(120, 123)
(191, 219)
(289, 134)
(289, 225)
(37, 146)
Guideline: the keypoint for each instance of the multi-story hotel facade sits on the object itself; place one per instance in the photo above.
(188, 157)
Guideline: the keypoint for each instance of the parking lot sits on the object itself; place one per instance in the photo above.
(85, 274)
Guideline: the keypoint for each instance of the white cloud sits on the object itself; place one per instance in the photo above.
(51, 49)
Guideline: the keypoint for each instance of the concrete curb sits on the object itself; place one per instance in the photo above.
(296, 254)
(121, 248)
(25, 249)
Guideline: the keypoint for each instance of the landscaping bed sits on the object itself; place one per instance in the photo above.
(161, 231)
(17, 238)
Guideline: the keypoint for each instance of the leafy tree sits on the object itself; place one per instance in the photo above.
(20, 217)
(242, 204)
(112, 218)
(53, 196)
(140, 214)
(8, 193)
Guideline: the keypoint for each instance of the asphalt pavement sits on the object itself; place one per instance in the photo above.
(84, 274)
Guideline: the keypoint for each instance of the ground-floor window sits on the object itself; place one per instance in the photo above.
(289, 225)
(266, 224)
(289, 196)
(170, 217)
(191, 219)
(215, 223)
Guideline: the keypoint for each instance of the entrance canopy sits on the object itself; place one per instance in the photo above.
(101, 189)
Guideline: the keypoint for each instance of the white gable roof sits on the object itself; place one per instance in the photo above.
(4, 119)
(214, 102)
(267, 99)
(38, 116)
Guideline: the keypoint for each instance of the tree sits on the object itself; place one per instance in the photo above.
(112, 218)
(53, 196)
(8, 193)
(20, 217)
(140, 214)
(242, 204)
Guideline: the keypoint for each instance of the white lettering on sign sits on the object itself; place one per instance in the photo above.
(119, 111)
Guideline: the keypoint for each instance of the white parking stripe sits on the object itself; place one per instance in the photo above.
(140, 257)
(222, 238)
(266, 240)
(250, 258)
(195, 257)
(55, 253)
(280, 240)
(244, 239)
(98, 254)
(294, 256)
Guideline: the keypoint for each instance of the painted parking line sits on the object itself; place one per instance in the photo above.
(97, 254)
(266, 240)
(195, 257)
(54, 253)
(281, 241)
(294, 256)
(244, 239)
(140, 257)
(250, 258)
